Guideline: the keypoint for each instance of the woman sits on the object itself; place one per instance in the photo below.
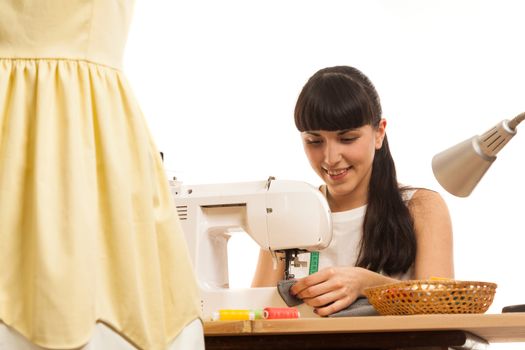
(382, 231)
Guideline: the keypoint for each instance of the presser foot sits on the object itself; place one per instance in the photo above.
(291, 258)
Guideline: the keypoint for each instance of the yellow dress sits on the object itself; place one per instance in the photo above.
(88, 232)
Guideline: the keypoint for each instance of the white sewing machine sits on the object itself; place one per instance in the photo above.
(280, 215)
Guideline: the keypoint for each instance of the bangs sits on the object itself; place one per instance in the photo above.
(333, 101)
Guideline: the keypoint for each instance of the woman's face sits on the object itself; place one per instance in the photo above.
(343, 159)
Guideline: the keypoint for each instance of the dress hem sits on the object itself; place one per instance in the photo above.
(79, 345)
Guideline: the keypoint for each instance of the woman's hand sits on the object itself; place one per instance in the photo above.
(335, 288)
(330, 290)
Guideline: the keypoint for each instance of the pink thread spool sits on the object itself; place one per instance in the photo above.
(271, 313)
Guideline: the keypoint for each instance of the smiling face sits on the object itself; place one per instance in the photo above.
(343, 159)
(338, 113)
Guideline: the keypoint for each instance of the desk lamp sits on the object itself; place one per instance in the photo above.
(460, 168)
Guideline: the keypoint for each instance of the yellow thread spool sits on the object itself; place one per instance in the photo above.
(233, 315)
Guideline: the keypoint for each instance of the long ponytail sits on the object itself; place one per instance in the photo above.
(388, 244)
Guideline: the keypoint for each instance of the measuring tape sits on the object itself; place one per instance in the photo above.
(314, 262)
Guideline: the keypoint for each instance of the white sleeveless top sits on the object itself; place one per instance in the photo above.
(347, 231)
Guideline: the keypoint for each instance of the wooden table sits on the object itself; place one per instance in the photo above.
(429, 332)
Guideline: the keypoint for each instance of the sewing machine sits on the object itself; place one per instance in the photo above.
(280, 215)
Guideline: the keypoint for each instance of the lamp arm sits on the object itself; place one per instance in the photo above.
(517, 119)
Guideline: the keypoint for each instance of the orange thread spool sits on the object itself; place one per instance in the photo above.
(281, 312)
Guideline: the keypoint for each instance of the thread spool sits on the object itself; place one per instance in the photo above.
(258, 313)
(272, 313)
(233, 315)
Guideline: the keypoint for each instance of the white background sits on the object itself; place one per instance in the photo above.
(218, 80)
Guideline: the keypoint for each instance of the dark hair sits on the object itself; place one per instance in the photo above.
(338, 98)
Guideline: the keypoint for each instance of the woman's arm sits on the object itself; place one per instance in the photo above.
(265, 274)
(433, 229)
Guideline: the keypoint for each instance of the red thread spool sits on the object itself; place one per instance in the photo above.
(281, 312)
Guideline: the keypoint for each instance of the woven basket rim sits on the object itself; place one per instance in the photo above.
(406, 283)
(412, 297)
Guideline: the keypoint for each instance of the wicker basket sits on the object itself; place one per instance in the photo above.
(432, 297)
